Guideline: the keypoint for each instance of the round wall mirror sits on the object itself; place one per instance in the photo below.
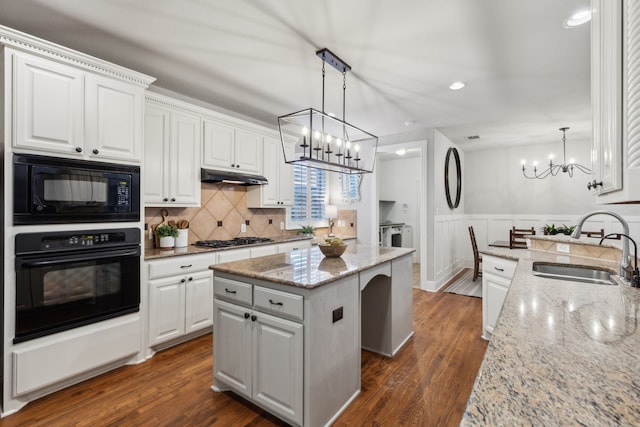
(452, 177)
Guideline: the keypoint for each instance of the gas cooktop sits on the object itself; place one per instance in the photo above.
(238, 241)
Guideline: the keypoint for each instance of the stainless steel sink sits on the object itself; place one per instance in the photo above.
(575, 273)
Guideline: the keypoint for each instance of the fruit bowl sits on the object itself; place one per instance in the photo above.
(329, 250)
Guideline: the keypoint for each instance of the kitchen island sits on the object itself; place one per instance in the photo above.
(562, 352)
(289, 328)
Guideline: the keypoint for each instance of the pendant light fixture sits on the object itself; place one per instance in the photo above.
(553, 169)
(323, 141)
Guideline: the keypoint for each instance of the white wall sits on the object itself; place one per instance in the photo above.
(494, 184)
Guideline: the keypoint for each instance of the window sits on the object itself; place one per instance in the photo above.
(309, 196)
(350, 187)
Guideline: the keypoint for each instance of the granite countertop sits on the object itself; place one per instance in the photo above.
(309, 268)
(155, 253)
(562, 353)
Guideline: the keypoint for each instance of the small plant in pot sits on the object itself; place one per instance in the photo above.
(306, 230)
(166, 235)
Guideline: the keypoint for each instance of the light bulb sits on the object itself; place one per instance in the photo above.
(328, 138)
(551, 156)
(572, 161)
(357, 148)
(338, 142)
(535, 163)
(524, 162)
(305, 131)
(316, 134)
(348, 144)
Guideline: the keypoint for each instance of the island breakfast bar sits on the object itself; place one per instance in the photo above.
(289, 328)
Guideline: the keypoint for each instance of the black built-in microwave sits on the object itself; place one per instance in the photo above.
(48, 190)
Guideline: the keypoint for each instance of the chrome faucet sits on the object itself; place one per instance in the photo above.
(626, 271)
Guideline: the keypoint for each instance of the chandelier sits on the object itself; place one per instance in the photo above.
(322, 141)
(553, 169)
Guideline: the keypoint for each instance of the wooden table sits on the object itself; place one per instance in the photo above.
(499, 244)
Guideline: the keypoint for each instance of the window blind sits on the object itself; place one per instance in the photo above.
(310, 188)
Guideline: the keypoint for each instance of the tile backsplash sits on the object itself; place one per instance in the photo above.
(223, 211)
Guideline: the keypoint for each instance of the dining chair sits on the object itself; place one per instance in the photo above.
(477, 258)
(518, 237)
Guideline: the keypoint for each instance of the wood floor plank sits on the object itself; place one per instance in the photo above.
(426, 384)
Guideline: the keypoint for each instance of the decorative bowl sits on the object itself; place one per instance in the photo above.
(332, 250)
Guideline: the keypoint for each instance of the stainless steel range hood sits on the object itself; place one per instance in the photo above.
(209, 175)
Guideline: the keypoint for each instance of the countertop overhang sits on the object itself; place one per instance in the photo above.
(562, 353)
(309, 268)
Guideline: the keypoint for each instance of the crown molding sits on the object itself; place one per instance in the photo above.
(26, 42)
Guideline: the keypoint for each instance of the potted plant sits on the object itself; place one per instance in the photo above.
(566, 229)
(550, 229)
(306, 230)
(166, 235)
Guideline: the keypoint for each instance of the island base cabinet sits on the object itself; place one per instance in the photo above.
(259, 356)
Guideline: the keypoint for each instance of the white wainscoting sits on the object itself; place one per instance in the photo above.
(453, 245)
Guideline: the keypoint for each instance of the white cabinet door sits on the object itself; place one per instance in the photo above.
(113, 119)
(166, 309)
(49, 106)
(277, 369)
(606, 95)
(232, 349)
(157, 143)
(494, 291)
(279, 191)
(184, 169)
(171, 157)
(285, 176)
(218, 145)
(199, 301)
(271, 157)
(248, 152)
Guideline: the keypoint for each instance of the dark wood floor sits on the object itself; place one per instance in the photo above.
(426, 384)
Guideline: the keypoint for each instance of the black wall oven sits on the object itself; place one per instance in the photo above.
(51, 190)
(69, 279)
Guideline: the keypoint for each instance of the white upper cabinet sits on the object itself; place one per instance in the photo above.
(278, 192)
(171, 154)
(230, 148)
(62, 110)
(615, 100)
(49, 105)
(113, 119)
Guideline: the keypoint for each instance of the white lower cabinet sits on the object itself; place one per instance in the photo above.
(259, 355)
(180, 297)
(496, 279)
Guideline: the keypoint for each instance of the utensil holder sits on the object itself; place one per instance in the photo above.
(183, 238)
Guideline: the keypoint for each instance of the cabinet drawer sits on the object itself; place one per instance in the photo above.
(499, 266)
(180, 265)
(282, 303)
(231, 290)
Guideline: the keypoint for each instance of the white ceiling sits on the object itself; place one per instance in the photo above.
(526, 74)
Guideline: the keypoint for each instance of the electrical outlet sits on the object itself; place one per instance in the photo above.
(281, 225)
(243, 228)
(563, 248)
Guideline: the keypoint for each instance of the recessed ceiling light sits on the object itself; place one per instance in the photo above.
(456, 85)
(578, 18)
(409, 123)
